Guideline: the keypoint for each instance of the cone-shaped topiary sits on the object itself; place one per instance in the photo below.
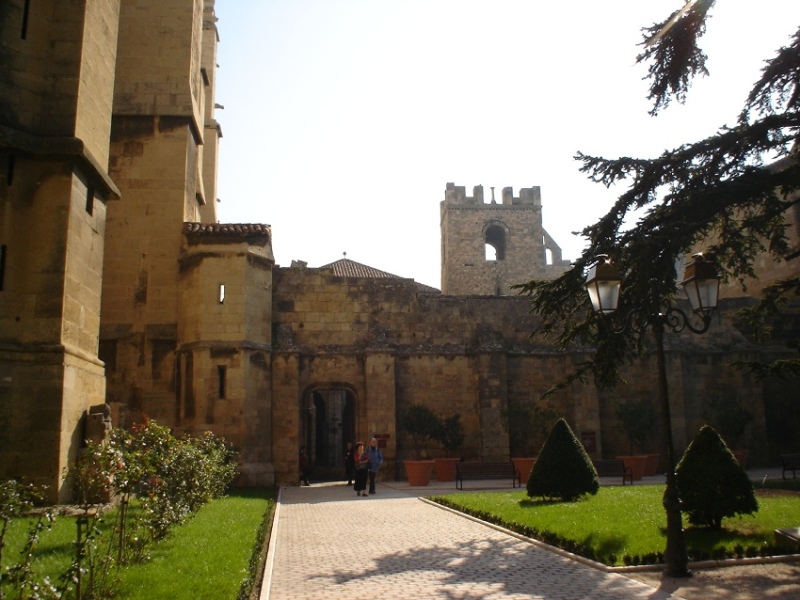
(563, 469)
(712, 484)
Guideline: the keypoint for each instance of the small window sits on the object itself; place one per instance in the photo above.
(2, 265)
(221, 293)
(10, 170)
(222, 373)
(90, 200)
(495, 237)
(25, 10)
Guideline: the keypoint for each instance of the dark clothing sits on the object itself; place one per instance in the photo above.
(362, 465)
(372, 475)
(349, 465)
(361, 480)
(305, 467)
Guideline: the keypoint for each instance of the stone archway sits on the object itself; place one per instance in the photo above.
(329, 423)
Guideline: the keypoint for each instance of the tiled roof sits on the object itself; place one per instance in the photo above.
(345, 267)
(228, 230)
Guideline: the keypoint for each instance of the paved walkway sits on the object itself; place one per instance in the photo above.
(328, 543)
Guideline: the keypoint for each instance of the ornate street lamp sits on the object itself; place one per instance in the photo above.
(701, 284)
(603, 282)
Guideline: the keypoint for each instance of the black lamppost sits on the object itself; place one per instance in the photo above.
(701, 283)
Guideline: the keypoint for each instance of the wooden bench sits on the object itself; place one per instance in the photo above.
(791, 462)
(613, 468)
(486, 470)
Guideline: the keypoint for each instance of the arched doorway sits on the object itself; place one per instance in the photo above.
(329, 423)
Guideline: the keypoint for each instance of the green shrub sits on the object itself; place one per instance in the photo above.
(422, 424)
(639, 420)
(712, 484)
(563, 469)
(451, 434)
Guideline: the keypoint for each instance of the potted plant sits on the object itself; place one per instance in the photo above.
(638, 420)
(451, 436)
(525, 425)
(422, 425)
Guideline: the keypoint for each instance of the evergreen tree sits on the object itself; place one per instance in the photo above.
(717, 189)
(563, 469)
(712, 483)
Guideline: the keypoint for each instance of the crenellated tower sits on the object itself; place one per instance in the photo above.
(489, 246)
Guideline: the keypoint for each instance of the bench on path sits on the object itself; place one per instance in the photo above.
(486, 470)
(791, 462)
(613, 468)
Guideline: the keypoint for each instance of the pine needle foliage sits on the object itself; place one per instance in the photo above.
(733, 188)
(712, 484)
(563, 470)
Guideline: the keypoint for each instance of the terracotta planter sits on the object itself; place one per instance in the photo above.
(418, 472)
(741, 457)
(524, 465)
(445, 468)
(651, 467)
(636, 463)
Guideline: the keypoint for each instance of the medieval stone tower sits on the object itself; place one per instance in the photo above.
(488, 247)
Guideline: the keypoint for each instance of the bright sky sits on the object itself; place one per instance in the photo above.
(345, 119)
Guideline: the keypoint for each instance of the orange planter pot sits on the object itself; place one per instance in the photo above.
(741, 457)
(418, 472)
(445, 468)
(651, 468)
(636, 463)
(524, 465)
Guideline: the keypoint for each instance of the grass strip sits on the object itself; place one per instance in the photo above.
(626, 525)
(216, 554)
(208, 557)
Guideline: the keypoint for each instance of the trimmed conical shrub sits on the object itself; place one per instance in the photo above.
(563, 469)
(712, 484)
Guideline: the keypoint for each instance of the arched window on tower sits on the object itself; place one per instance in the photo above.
(495, 239)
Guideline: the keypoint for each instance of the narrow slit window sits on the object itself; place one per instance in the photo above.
(10, 170)
(222, 374)
(90, 200)
(25, 10)
(2, 266)
(221, 293)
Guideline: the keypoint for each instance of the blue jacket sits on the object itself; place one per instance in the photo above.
(375, 458)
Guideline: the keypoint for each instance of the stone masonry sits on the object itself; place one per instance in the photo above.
(118, 286)
(521, 249)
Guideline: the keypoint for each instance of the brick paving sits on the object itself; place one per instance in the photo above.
(329, 543)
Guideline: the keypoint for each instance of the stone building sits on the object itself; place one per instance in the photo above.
(56, 95)
(119, 289)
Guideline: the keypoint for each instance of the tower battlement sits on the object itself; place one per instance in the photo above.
(457, 194)
(488, 246)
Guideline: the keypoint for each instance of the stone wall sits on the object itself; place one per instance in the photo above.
(55, 113)
(391, 346)
(164, 77)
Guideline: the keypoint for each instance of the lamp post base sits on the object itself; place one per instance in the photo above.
(676, 559)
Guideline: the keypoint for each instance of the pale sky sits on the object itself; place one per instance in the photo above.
(345, 119)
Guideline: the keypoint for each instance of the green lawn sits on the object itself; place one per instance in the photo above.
(625, 525)
(207, 557)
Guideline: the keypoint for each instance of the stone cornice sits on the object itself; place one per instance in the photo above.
(60, 147)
